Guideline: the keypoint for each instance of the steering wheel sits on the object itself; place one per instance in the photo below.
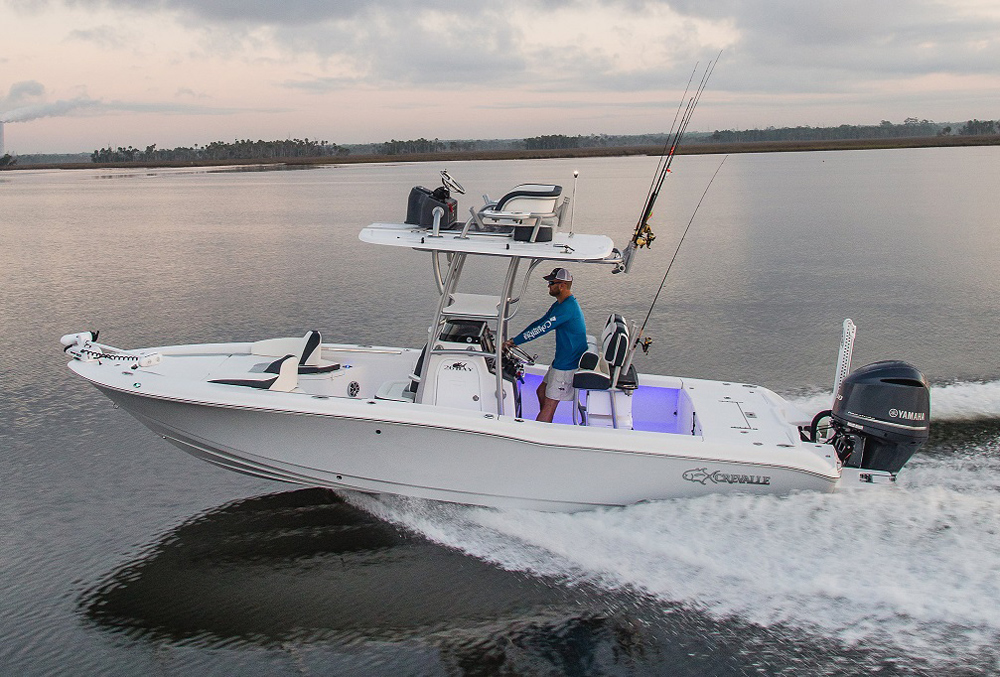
(451, 184)
(520, 354)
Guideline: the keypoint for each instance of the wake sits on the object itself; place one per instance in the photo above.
(916, 565)
(953, 402)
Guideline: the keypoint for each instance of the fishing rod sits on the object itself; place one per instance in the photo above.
(644, 343)
(643, 235)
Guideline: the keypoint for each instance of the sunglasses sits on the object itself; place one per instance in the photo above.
(556, 282)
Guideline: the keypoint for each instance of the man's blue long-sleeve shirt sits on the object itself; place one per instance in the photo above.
(571, 332)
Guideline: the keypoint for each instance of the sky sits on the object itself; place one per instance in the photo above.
(77, 75)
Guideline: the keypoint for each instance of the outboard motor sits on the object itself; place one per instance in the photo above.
(421, 204)
(881, 416)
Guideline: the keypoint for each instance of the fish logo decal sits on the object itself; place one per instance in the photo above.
(699, 475)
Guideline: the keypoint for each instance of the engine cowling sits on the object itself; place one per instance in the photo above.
(881, 414)
(421, 203)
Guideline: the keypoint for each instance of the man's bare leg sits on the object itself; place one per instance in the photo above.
(546, 406)
(548, 410)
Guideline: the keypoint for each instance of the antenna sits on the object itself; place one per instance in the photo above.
(572, 202)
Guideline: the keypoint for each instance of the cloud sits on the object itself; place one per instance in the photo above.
(168, 108)
(107, 37)
(603, 45)
(273, 13)
(894, 35)
(581, 50)
(849, 40)
(609, 45)
(559, 45)
(188, 92)
(21, 94)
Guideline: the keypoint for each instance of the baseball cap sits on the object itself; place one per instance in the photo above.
(559, 275)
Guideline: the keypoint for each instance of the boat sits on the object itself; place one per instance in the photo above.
(452, 420)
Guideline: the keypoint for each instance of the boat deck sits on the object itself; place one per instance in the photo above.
(720, 411)
(653, 409)
(713, 410)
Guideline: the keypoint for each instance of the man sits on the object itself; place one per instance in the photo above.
(566, 318)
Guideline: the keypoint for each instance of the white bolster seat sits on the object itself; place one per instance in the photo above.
(307, 349)
(282, 375)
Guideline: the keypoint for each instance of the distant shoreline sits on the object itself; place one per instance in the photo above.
(457, 156)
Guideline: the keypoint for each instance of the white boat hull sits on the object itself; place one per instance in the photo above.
(373, 446)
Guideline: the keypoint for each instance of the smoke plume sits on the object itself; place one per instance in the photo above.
(44, 110)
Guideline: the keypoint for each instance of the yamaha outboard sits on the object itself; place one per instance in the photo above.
(881, 416)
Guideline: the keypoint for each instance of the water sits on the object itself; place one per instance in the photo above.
(120, 554)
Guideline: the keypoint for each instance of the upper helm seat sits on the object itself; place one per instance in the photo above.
(533, 198)
(537, 205)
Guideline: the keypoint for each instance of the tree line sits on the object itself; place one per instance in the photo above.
(561, 141)
(544, 142)
(221, 150)
(979, 127)
(421, 145)
(305, 148)
(910, 127)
